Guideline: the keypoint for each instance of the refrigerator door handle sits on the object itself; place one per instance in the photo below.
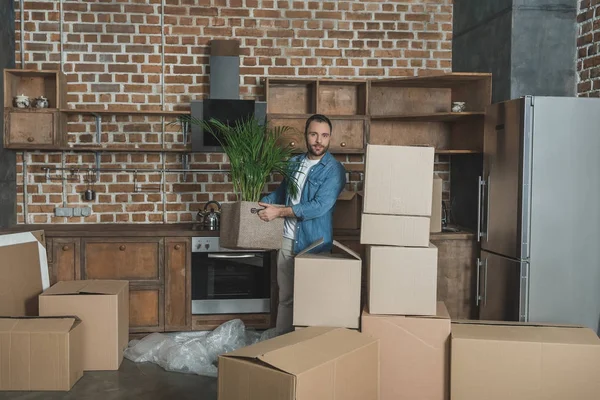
(478, 294)
(485, 276)
(487, 183)
(479, 234)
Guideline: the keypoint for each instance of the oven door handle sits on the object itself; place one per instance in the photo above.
(231, 256)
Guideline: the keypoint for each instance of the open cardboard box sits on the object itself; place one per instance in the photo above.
(24, 272)
(348, 210)
(103, 307)
(308, 364)
(503, 360)
(327, 288)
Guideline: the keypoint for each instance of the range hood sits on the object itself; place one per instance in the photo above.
(224, 101)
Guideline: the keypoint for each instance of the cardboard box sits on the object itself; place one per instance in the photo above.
(242, 228)
(436, 205)
(348, 210)
(24, 272)
(414, 354)
(402, 280)
(524, 362)
(395, 230)
(315, 363)
(103, 307)
(327, 288)
(398, 180)
(40, 354)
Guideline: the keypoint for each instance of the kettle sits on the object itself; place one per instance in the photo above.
(209, 218)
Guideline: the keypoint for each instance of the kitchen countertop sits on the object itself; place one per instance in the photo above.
(172, 230)
(112, 230)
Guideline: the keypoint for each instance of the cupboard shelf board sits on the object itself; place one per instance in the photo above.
(123, 112)
(451, 152)
(306, 116)
(449, 80)
(432, 117)
(123, 149)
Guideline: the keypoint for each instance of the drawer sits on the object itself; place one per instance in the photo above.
(31, 129)
(133, 259)
(146, 309)
(347, 134)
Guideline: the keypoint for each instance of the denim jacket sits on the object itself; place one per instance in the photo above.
(314, 212)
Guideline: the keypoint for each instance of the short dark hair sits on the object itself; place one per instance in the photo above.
(318, 118)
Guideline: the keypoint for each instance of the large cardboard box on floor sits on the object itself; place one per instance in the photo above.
(24, 272)
(402, 280)
(348, 210)
(398, 180)
(103, 307)
(499, 361)
(395, 230)
(436, 205)
(414, 354)
(40, 354)
(327, 288)
(315, 363)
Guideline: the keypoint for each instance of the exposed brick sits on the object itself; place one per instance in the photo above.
(311, 38)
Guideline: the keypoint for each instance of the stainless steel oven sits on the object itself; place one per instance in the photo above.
(226, 281)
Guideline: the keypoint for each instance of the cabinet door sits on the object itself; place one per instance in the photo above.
(133, 259)
(177, 284)
(498, 287)
(66, 258)
(146, 306)
(31, 129)
(347, 135)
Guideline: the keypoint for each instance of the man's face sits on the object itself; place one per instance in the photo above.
(317, 138)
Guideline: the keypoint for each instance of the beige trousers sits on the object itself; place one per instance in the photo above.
(285, 281)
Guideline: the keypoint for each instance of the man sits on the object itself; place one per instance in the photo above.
(308, 215)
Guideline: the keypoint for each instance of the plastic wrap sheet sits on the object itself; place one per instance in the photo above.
(194, 352)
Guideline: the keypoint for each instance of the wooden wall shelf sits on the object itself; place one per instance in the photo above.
(123, 149)
(123, 112)
(398, 111)
(433, 117)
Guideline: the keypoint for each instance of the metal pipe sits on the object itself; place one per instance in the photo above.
(63, 180)
(25, 193)
(60, 22)
(139, 170)
(22, 6)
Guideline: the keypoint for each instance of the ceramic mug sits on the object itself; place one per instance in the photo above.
(21, 101)
(41, 102)
(458, 106)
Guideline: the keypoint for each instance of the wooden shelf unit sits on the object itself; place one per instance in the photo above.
(290, 102)
(418, 111)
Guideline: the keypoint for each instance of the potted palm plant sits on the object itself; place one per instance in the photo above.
(254, 154)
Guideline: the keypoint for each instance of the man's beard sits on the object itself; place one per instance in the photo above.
(321, 149)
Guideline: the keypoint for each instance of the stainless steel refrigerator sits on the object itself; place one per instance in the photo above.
(539, 212)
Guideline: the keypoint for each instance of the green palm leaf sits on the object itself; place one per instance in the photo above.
(254, 154)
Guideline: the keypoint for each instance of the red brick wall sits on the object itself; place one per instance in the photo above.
(588, 43)
(112, 54)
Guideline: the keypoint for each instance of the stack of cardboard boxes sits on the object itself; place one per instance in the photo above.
(50, 335)
(403, 312)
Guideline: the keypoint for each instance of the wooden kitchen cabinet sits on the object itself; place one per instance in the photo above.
(178, 288)
(146, 308)
(35, 128)
(134, 259)
(64, 262)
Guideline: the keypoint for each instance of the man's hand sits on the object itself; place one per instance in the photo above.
(269, 213)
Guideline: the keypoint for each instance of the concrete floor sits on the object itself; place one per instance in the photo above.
(132, 381)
